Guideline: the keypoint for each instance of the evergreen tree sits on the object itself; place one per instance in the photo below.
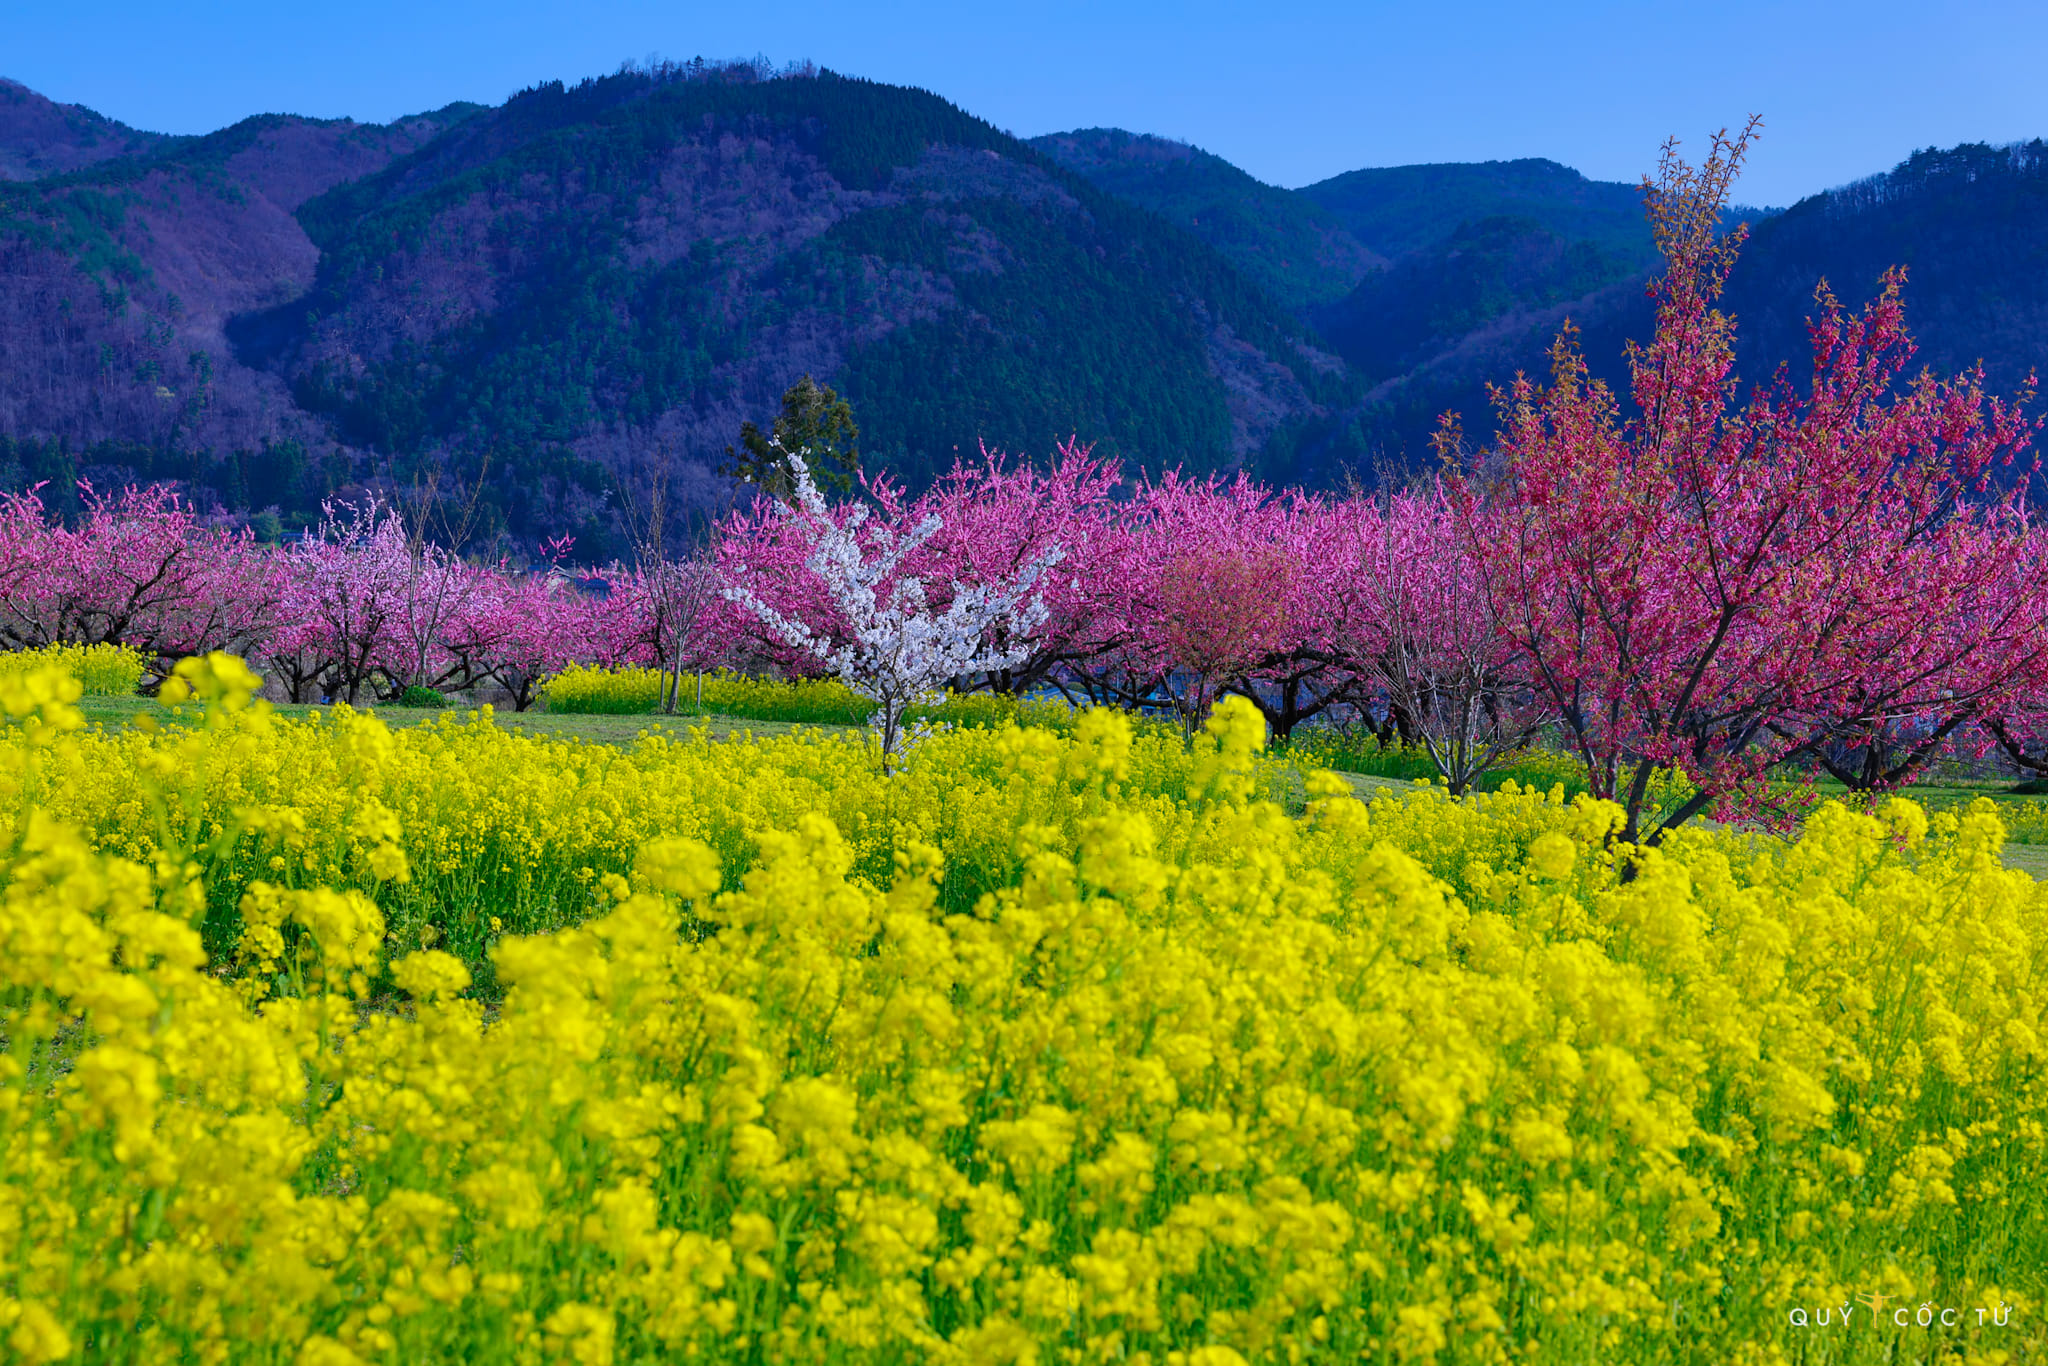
(815, 423)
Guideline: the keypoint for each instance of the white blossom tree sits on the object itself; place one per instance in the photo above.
(894, 646)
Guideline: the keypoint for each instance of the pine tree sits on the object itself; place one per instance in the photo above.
(815, 423)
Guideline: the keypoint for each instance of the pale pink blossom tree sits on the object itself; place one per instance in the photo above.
(887, 640)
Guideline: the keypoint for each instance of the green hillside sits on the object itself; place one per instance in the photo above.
(1969, 224)
(1399, 209)
(1280, 240)
(963, 287)
(1438, 296)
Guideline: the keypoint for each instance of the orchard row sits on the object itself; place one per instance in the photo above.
(1838, 576)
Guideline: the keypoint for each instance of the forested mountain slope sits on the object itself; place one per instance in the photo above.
(40, 137)
(540, 294)
(1399, 209)
(117, 281)
(1280, 239)
(1969, 224)
(644, 260)
(636, 263)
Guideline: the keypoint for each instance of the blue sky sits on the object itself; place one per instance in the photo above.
(1292, 93)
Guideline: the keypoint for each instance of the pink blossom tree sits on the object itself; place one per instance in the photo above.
(1951, 662)
(516, 630)
(1679, 581)
(1410, 622)
(346, 597)
(998, 516)
(139, 569)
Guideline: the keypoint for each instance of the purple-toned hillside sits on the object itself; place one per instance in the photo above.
(39, 137)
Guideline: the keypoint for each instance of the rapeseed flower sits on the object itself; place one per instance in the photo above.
(330, 1044)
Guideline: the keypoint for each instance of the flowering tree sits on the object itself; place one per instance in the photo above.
(1218, 582)
(1417, 629)
(436, 592)
(347, 595)
(889, 642)
(138, 569)
(998, 516)
(1679, 581)
(1953, 663)
(518, 629)
(1220, 611)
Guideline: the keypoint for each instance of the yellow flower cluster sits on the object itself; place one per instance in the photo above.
(103, 670)
(629, 691)
(2026, 821)
(1055, 1048)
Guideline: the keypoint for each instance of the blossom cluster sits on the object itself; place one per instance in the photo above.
(359, 609)
(1084, 1047)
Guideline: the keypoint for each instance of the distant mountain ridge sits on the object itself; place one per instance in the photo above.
(40, 137)
(1969, 224)
(544, 292)
(1283, 242)
(634, 263)
(1400, 209)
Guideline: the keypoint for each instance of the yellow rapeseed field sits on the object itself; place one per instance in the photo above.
(102, 670)
(626, 690)
(329, 1044)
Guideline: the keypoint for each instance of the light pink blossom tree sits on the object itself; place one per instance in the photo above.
(888, 641)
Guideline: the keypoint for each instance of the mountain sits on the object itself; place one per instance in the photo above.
(1433, 298)
(1399, 209)
(646, 260)
(1281, 241)
(635, 263)
(40, 137)
(117, 281)
(1428, 281)
(1969, 224)
(540, 295)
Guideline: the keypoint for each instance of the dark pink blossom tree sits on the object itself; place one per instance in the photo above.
(1682, 580)
(139, 569)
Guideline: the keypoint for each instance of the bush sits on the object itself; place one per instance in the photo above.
(416, 696)
(581, 689)
(812, 701)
